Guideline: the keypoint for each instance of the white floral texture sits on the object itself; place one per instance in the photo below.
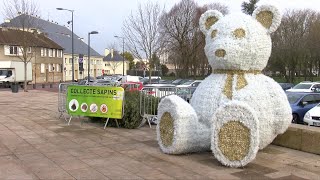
(260, 104)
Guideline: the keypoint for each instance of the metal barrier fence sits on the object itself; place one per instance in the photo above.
(150, 96)
(62, 99)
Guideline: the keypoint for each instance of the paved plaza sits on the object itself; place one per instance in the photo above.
(36, 144)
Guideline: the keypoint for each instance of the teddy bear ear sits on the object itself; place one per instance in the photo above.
(269, 16)
(208, 19)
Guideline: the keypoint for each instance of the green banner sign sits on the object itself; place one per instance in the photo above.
(95, 101)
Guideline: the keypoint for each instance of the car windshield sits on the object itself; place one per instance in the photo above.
(176, 81)
(293, 97)
(302, 86)
(187, 83)
(3, 72)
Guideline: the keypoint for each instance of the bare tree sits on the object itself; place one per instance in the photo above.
(23, 8)
(141, 31)
(114, 65)
(291, 48)
(182, 38)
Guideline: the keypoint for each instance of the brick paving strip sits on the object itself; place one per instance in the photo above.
(35, 144)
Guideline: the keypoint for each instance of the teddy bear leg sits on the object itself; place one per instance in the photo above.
(177, 130)
(235, 134)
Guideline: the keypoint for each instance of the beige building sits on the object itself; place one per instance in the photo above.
(113, 63)
(44, 54)
(96, 67)
(63, 36)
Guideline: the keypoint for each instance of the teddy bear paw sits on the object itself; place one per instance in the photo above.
(235, 135)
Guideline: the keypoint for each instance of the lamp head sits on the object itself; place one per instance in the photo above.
(94, 32)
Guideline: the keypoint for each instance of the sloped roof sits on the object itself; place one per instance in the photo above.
(14, 37)
(59, 34)
(115, 57)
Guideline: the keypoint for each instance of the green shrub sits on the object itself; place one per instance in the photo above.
(131, 118)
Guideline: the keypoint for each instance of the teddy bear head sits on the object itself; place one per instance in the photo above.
(239, 41)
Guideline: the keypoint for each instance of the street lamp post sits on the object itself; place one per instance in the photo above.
(72, 42)
(92, 32)
(122, 53)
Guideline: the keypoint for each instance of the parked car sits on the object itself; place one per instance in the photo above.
(132, 86)
(286, 86)
(154, 80)
(190, 83)
(301, 103)
(179, 81)
(312, 117)
(102, 82)
(306, 87)
(159, 90)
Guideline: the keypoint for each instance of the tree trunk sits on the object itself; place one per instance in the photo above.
(25, 76)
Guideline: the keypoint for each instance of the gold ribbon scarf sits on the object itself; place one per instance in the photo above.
(241, 80)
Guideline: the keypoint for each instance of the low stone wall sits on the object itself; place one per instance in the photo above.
(300, 137)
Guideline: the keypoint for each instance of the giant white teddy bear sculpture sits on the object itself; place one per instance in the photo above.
(236, 110)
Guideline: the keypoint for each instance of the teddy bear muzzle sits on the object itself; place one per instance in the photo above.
(220, 53)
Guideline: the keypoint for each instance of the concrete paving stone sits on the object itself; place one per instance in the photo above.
(53, 173)
(4, 151)
(290, 177)
(88, 156)
(24, 149)
(78, 152)
(116, 172)
(101, 151)
(87, 173)
(48, 147)
(248, 174)
(99, 161)
(73, 164)
(11, 168)
(35, 141)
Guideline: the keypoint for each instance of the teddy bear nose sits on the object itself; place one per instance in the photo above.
(220, 53)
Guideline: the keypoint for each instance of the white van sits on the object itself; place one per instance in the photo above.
(128, 78)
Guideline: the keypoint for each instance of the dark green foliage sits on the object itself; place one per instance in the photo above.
(164, 69)
(249, 7)
(131, 118)
(172, 74)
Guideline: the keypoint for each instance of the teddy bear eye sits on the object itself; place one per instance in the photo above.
(214, 33)
(239, 33)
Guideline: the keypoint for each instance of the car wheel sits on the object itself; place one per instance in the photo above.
(295, 118)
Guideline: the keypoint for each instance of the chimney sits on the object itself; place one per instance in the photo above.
(106, 52)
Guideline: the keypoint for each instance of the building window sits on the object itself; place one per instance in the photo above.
(60, 53)
(13, 50)
(50, 67)
(65, 60)
(50, 52)
(29, 50)
(58, 67)
(42, 68)
(44, 51)
(54, 53)
(70, 60)
(41, 53)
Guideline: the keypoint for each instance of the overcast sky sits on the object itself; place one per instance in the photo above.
(106, 16)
